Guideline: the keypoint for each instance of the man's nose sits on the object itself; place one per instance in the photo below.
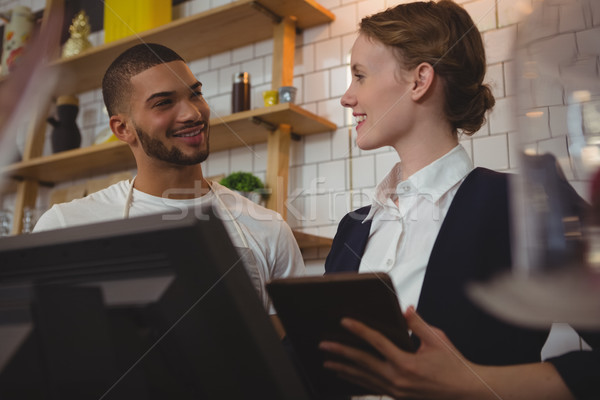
(189, 111)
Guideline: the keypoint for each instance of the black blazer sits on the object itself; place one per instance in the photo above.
(473, 245)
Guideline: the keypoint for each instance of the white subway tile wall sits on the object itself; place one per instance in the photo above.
(495, 78)
(329, 174)
(483, 13)
(499, 44)
(491, 152)
(322, 75)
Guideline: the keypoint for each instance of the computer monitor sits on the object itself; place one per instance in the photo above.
(142, 308)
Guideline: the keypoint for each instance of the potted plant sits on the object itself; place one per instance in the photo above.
(246, 184)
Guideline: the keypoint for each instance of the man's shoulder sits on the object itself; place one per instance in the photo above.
(108, 195)
(119, 189)
(103, 205)
(244, 208)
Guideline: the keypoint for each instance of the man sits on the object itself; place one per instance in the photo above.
(156, 106)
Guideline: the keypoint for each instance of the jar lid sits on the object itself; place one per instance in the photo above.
(67, 99)
(241, 77)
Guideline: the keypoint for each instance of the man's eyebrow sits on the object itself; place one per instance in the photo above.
(355, 67)
(172, 92)
(160, 94)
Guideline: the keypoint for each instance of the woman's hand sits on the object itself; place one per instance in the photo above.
(437, 370)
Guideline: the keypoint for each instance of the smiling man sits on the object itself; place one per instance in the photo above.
(156, 106)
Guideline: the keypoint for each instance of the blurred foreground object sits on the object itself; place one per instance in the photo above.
(556, 243)
(125, 18)
(78, 41)
(29, 87)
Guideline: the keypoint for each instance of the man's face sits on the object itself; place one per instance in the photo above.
(169, 114)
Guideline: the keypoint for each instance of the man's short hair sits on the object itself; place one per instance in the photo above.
(116, 84)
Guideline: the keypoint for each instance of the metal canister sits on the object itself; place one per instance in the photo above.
(240, 95)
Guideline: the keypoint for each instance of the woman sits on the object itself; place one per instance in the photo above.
(436, 223)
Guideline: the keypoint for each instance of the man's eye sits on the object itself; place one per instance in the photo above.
(162, 103)
(198, 93)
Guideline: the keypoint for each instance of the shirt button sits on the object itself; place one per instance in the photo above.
(389, 262)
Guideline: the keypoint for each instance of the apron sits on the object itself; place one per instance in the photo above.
(243, 250)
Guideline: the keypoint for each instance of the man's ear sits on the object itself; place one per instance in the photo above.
(122, 128)
(423, 76)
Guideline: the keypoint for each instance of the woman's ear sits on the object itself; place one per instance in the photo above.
(423, 76)
(120, 126)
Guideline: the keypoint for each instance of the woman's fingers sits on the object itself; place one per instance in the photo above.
(358, 376)
(381, 343)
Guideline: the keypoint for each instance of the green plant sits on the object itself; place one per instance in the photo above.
(242, 181)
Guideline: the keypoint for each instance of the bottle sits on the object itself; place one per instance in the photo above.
(240, 95)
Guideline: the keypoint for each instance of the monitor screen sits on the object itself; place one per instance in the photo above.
(142, 308)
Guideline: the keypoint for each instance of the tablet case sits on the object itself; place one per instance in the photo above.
(311, 308)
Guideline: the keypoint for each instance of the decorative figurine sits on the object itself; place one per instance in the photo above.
(79, 30)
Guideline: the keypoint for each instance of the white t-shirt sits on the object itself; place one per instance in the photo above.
(273, 253)
(402, 236)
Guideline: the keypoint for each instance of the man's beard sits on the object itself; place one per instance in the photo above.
(156, 149)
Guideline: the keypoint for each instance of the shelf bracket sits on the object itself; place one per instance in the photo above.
(260, 121)
(276, 18)
(259, 7)
(272, 127)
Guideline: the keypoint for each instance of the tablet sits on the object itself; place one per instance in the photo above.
(311, 308)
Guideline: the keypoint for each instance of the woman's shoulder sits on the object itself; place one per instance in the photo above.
(481, 173)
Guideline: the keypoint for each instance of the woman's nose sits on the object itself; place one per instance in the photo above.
(348, 99)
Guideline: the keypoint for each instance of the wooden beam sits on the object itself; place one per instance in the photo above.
(26, 198)
(284, 45)
(278, 165)
(27, 190)
(278, 142)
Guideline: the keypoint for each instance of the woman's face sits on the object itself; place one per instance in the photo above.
(379, 95)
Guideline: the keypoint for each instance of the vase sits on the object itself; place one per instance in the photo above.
(65, 135)
(17, 32)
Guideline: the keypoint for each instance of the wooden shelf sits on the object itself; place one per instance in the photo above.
(217, 30)
(306, 240)
(253, 126)
(240, 23)
(236, 130)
